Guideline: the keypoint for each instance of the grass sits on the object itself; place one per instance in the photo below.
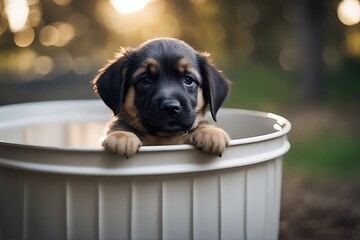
(326, 152)
(262, 87)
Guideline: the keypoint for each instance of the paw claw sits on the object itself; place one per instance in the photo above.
(210, 139)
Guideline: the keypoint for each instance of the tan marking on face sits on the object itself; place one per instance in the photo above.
(200, 109)
(139, 71)
(201, 105)
(150, 64)
(130, 112)
(128, 105)
(184, 66)
(153, 65)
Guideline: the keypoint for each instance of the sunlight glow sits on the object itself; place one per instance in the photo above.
(128, 6)
(17, 12)
(349, 12)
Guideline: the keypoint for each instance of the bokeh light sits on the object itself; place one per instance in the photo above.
(110, 23)
(35, 16)
(198, 1)
(288, 59)
(17, 12)
(128, 6)
(66, 33)
(25, 60)
(62, 2)
(154, 22)
(57, 34)
(25, 37)
(349, 12)
(25, 64)
(353, 43)
(43, 65)
(49, 35)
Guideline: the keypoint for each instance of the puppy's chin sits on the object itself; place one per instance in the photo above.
(171, 128)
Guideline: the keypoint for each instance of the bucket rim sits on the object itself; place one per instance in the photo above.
(283, 127)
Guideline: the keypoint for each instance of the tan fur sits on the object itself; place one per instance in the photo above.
(128, 105)
(207, 138)
(201, 105)
(130, 112)
(156, 140)
(210, 139)
(185, 66)
(200, 109)
(153, 65)
(139, 71)
(123, 143)
(125, 133)
(150, 64)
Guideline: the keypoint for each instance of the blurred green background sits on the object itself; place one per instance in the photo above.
(297, 58)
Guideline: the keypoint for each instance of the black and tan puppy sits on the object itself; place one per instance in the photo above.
(159, 93)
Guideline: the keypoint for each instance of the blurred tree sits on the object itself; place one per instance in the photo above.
(308, 31)
(287, 36)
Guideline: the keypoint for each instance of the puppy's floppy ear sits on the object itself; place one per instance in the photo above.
(110, 82)
(215, 85)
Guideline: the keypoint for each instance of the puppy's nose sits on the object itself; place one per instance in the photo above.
(171, 107)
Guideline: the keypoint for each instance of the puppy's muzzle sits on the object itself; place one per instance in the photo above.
(170, 107)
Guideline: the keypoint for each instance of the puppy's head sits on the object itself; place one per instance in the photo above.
(161, 88)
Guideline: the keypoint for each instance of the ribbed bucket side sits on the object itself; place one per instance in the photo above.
(237, 203)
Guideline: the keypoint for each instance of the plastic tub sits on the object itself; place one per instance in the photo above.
(56, 182)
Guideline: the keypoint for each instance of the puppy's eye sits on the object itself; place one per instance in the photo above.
(145, 82)
(189, 80)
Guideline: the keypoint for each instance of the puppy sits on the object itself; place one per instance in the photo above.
(159, 93)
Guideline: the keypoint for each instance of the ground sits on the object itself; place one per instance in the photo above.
(313, 208)
(321, 182)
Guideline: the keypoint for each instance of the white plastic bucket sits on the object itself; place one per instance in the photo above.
(56, 182)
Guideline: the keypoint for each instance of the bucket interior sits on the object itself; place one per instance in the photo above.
(81, 125)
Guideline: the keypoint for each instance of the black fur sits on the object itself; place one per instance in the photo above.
(165, 99)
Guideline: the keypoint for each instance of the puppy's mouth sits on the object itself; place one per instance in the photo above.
(172, 128)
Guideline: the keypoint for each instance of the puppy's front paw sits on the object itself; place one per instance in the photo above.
(210, 139)
(123, 143)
